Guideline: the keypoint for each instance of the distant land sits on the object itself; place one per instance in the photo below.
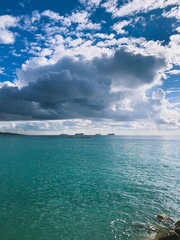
(76, 135)
(8, 134)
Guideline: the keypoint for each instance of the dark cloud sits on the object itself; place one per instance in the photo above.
(130, 70)
(77, 88)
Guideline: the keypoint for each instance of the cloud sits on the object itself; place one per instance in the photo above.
(178, 29)
(70, 35)
(53, 23)
(6, 22)
(89, 26)
(31, 22)
(104, 36)
(163, 111)
(174, 72)
(79, 17)
(173, 13)
(7, 84)
(159, 94)
(73, 68)
(119, 26)
(52, 15)
(43, 127)
(118, 66)
(80, 88)
(1, 70)
(110, 6)
(173, 90)
(90, 4)
(103, 126)
(136, 6)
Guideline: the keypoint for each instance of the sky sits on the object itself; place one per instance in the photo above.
(92, 66)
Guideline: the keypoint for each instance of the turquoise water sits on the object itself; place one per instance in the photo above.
(86, 188)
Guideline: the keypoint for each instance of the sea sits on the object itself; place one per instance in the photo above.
(98, 188)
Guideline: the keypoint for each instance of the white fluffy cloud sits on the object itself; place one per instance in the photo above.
(159, 94)
(163, 110)
(174, 72)
(173, 13)
(52, 15)
(79, 17)
(6, 84)
(7, 22)
(104, 36)
(90, 4)
(136, 6)
(119, 26)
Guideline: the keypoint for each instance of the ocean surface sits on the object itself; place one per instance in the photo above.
(100, 188)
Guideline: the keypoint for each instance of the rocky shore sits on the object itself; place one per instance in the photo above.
(166, 229)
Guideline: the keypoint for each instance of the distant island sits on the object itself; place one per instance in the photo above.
(9, 134)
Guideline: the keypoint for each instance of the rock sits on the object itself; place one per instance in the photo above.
(153, 229)
(177, 224)
(161, 233)
(169, 236)
(168, 229)
(177, 228)
(167, 222)
(164, 217)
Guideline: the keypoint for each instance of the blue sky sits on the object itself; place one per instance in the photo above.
(91, 66)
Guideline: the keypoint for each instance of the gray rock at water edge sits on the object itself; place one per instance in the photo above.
(169, 233)
(177, 224)
(163, 217)
(172, 236)
(161, 233)
(177, 228)
(177, 231)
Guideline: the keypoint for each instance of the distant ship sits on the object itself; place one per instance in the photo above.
(111, 134)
